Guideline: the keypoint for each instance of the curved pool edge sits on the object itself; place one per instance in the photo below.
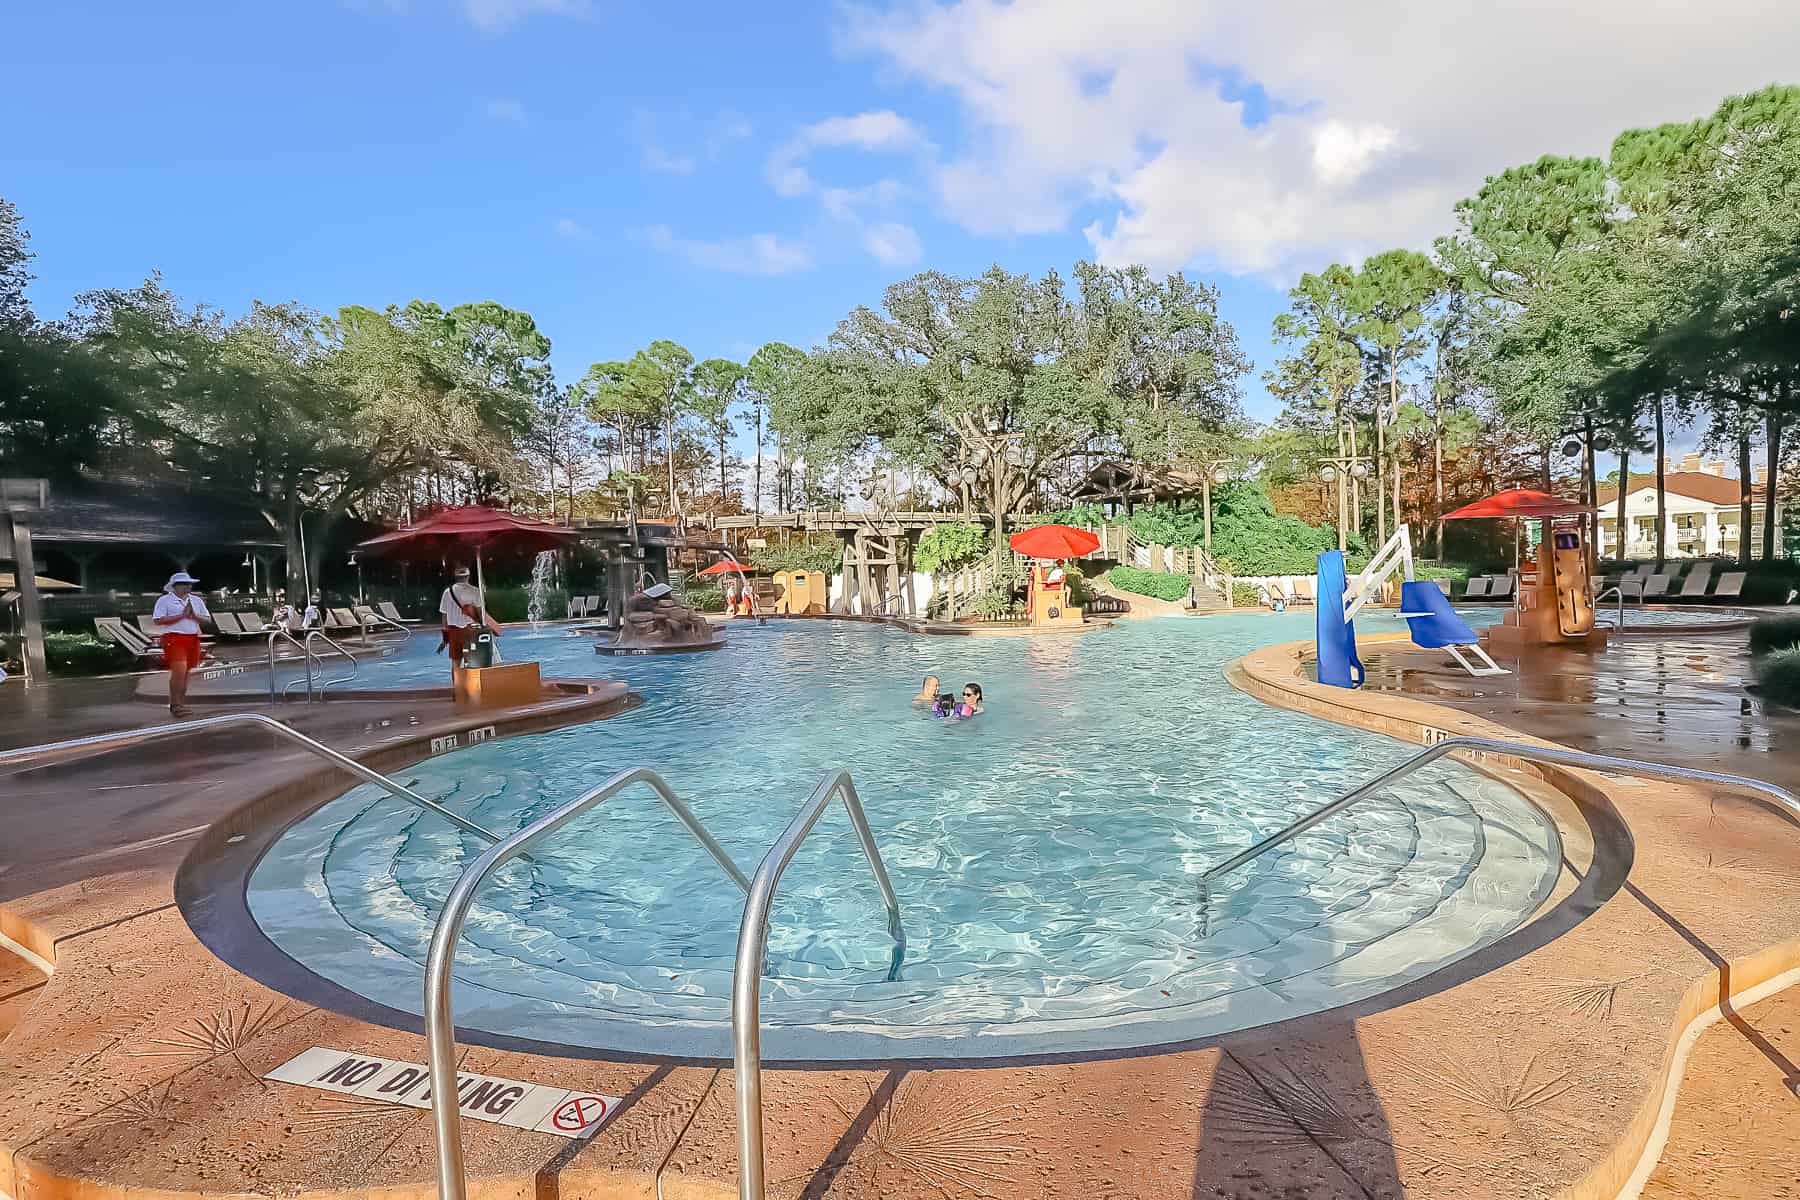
(1591, 1162)
(1276, 675)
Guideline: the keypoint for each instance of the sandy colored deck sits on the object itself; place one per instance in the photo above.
(1539, 1067)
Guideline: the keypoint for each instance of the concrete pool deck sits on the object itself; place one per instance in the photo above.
(1540, 1066)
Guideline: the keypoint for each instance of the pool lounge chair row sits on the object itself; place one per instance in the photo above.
(1490, 587)
(583, 606)
(244, 625)
(1646, 583)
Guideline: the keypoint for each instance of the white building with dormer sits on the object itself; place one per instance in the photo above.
(1701, 509)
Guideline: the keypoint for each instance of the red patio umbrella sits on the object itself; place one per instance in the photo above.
(1519, 502)
(472, 527)
(1054, 541)
(725, 567)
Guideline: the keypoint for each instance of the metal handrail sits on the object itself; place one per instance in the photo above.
(312, 658)
(1556, 756)
(746, 976)
(277, 631)
(128, 737)
(440, 1025)
(1620, 592)
(380, 619)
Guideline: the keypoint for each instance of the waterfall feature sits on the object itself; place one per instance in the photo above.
(539, 590)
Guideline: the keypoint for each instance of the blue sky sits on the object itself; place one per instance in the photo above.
(726, 175)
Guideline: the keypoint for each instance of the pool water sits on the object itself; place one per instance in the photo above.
(1045, 853)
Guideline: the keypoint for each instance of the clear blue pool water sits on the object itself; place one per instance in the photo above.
(1045, 853)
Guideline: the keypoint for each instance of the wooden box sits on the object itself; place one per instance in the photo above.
(499, 687)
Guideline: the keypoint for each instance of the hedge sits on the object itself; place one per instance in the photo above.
(704, 597)
(824, 556)
(1157, 584)
(1778, 676)
(1770, 634)
(73, 654)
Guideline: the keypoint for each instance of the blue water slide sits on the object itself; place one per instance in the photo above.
(1336, 637)
(1429, 615)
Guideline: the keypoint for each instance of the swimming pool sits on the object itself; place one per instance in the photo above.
(1045, 854)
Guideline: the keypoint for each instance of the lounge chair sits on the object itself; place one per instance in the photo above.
(147, 624)
(341, 618)
(1655, 587)
(372, 619)
(1502, 588)
(127, 637)
(1694, 586)
(227, 625)
(1477, 587)
(253, 624)
(388, 610)
(578, 606)
(1303, 591)
(1731, 586)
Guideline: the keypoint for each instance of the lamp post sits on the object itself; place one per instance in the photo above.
(359, 577)
(1585, 442)
(1211, 472)
(250, 561)
(1339, 471)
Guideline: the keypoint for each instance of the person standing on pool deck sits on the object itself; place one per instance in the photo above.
(178, 613)
(461, 605)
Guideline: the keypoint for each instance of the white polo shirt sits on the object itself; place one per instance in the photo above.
(167, 605)
(454, 597)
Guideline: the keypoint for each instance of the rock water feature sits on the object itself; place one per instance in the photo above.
(537, 593)
(656, 624)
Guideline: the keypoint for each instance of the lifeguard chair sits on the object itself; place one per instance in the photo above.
(1555, 603)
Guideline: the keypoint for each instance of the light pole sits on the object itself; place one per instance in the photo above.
(1211, 472)
(1585, 442)
(1339, 471)
(359, 578)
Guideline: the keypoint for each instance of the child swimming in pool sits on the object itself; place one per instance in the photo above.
(946, 706)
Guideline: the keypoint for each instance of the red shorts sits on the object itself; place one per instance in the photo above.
(181, 648)
(458, 638)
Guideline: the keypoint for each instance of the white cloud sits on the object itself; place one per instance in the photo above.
(724, 129)
(1384, 113)
(658, 159)
(494, 15)
(876, 132)
(757, 254)
(892, 243)
(507, 112)
(575, 231)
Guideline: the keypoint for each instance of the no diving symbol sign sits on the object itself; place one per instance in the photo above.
(578, 1114)
(563, 1112)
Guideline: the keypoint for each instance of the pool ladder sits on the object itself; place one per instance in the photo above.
(315, 663)
(747, 972)
(1605, 764)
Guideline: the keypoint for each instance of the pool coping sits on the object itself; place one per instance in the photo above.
(1274, 675)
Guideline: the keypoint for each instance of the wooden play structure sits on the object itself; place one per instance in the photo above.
(1555, 604)
(802, 593)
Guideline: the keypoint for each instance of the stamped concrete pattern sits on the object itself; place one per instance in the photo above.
(1535, 1068)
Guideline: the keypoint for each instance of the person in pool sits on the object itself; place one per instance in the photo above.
(946, 706)
(971, 701)
(928, 694)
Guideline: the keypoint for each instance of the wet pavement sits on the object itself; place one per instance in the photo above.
(1682, 700)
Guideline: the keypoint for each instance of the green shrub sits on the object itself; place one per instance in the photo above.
(1456, 573)
(947, 547)
(1778, 676)
(514, 604)
(705, 597)
(71, 654)
(1769, 634)
(1158, 584)
(1768, 581)
(822, 555)
(995, 603)
(1244, 595)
